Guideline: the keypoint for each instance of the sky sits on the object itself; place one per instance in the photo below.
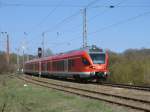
(125, 25)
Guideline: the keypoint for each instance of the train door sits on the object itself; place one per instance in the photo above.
(66, 65)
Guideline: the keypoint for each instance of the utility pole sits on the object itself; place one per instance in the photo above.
(84, 29)
(4, 34)
(18, 63)
(7, 55)
(43, 44)
(1, 45)
(26, 46)
(27, 57)
(23, 61)
(7, 49)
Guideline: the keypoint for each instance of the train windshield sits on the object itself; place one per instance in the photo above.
(98, 58)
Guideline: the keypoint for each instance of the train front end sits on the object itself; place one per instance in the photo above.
(99, 67)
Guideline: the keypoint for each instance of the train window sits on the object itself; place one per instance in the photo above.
(44, 66)
(98, 58)
(58, 65)
(34, 66)
(37, 66)
(70, 64)
(54, 66)
(85, 61)
(48, 65)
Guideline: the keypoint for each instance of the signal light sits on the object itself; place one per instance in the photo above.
(39, 52)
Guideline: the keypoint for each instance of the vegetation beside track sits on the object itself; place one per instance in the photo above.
(17, 97)
(130, 67)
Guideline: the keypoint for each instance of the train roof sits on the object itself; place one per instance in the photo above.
(72, 53)
(60, 56)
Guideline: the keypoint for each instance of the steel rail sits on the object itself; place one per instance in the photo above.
(96, 92)
(143, 88)
(81, 92)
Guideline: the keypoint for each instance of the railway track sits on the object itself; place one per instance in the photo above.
(139, 104)
(143, 88)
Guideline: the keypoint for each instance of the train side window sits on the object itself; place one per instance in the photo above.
(60, 65)
(71, 63)
(44, 66)
(48, 65)
(85, 61)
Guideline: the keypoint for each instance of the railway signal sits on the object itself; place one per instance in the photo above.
(39, 52)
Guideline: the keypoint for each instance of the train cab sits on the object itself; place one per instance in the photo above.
(99, 58)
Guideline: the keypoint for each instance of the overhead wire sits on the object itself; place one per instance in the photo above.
(47, 16)
(101, 29)
(69, 17)
(121, 22)
(123, 6)
(5, 4)
(39, 5)
(112, 25)
(92, 18)
(106, 10)
(91, 3)
(81, 24)
(61, 22)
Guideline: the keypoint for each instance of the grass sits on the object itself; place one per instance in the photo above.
(15, 97)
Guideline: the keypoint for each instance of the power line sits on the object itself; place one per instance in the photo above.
(91, 3)
(121, 22)
(69, 17)
(4, 4)
(45, 5)
(108, 9)
(123, 6)
(112, 25)
(50, 13)
(94, 17)
(36, 5)
(86, 7)
(63, 21)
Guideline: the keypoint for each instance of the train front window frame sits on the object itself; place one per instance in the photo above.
(98, 58)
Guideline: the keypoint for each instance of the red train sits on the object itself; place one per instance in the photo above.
(87, 63)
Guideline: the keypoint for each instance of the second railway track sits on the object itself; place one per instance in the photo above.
(139, 104)
(143, 88)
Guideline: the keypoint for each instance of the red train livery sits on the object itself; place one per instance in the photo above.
(87, 63)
